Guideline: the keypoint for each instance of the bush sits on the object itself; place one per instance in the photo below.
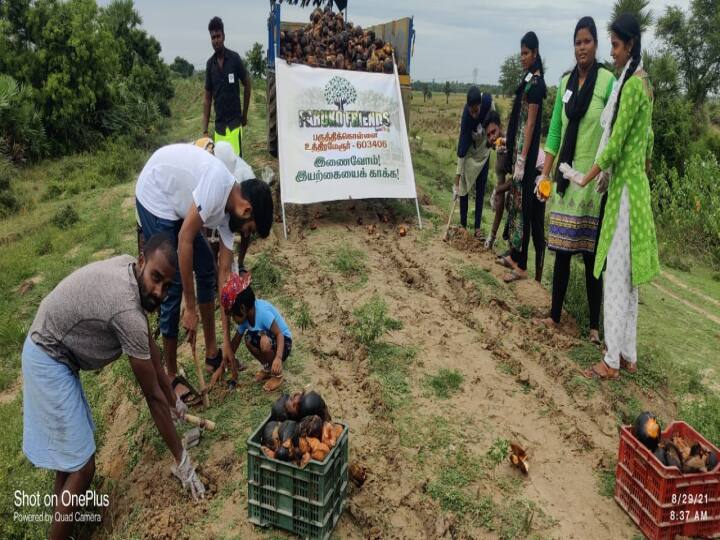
(21, 125)
(66, 217)
(9, 203)
(687, 206)
(672, 126)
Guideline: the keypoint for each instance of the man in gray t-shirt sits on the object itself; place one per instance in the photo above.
(89, 320)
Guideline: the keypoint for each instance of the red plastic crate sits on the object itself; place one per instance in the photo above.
(662, 501)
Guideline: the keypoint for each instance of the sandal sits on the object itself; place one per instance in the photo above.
(506, 261)
(191, 397)
(601, 371)
(214, 362)
(630, 367)
(514, 275)
(595, 337)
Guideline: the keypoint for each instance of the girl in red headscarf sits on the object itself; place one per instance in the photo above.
(267, 336)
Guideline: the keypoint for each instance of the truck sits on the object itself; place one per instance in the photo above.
(399, 33)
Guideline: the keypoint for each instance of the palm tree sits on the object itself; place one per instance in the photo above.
(639, 8)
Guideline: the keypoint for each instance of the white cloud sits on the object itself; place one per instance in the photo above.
(453, 36)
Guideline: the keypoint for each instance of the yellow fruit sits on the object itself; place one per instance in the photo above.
(545, 188)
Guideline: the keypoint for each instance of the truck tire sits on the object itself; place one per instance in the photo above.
(272, 135)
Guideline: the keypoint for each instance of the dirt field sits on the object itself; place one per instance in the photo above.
(457, 371)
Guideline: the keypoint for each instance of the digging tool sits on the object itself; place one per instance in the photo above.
(201, 377)
(452, 212)
(200, 422)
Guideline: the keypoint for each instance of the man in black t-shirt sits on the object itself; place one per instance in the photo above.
(224, 73)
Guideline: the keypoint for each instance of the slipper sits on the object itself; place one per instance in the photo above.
(593, 372)
(514, 275)
(273, 384)
(595, 339)
(505, 261)
(630, 367)
(215, 361)
(191, 397)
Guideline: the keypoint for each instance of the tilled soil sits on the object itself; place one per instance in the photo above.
(515, 377)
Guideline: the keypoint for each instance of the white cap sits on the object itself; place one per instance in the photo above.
(237, 166)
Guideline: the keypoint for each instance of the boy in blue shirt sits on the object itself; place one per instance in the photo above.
(267, 336)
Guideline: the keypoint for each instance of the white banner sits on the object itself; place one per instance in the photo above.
(342, 135)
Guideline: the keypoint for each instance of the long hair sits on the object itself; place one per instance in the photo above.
(627, 28)
(531, 41)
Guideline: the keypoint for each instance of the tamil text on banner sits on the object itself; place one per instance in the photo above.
(342, 135)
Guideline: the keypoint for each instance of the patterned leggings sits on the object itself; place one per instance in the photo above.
(620, 297)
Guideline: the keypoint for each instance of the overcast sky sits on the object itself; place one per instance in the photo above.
(453, 36)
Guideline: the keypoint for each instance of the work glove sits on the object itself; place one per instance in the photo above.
(493, 205)
(519, 169)
(179, 412)
(185, 472)
(455, 192)
(603, 182)
(571, 174)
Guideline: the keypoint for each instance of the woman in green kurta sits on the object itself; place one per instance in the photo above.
(627, 235)
(574, 137)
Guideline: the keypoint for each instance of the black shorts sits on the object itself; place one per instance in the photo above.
(253, 338)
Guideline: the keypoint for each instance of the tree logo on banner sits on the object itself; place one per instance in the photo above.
(340, 92)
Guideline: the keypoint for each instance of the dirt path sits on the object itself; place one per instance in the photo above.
(679, 283)
(709, 316)
(450, 329)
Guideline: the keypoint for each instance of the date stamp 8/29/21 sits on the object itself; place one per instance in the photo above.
(687, 515)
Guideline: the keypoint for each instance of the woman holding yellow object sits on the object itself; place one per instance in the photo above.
(574, 137)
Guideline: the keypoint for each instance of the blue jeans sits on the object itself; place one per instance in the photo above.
(480, 183)
(203, 265)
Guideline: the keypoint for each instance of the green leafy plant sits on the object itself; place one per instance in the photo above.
(445, 383)
(66, 217)
(372, 321)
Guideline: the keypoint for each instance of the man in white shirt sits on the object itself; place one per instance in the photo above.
(182, 189)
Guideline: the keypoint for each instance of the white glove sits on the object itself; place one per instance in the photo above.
(603, 181)
(489, 241)
(519, 171)
(455, 192)
(571, 174)
(180, 410)
(492, 200)
(185, 471)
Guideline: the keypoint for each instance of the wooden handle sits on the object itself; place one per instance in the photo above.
(201, 377)
(452, 211)
(201, 422)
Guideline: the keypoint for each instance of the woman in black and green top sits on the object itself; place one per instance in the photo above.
(574, 137)
(525, 213)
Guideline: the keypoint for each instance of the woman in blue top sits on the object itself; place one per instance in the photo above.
(267, 335)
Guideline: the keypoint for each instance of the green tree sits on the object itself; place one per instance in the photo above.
(693, 39)
(182, 67)
(340, 92)
(255, 59)
(511, 71)
(447, 92)
(634, 7)
(141, 66)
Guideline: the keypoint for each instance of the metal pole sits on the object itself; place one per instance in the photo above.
(417, 207)
(282, 205)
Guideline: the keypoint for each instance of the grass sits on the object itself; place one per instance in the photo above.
(350, 263)
(446, 383)
(266, 276)
(390, 366)
(372, 321)
(303, 318)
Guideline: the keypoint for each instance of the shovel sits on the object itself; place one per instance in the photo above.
(452, 212)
